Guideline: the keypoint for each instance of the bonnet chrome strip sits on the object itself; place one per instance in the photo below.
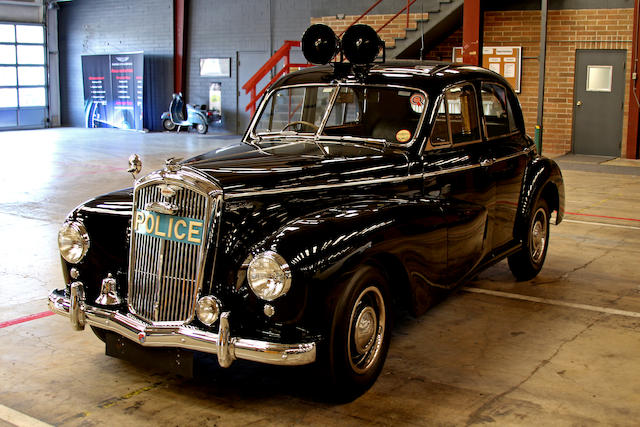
(322, 186)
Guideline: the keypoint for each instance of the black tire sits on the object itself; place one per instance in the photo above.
(201, 128)
(168, 124)
(100, 333)
(360, 332)
(527, 263)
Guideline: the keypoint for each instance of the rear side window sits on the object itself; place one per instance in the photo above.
(497, 112)
(457, 117)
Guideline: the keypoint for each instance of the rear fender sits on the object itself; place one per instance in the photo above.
(542, 179)
(195, 117)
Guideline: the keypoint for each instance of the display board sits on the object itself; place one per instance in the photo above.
(504, 60)
(113, 90)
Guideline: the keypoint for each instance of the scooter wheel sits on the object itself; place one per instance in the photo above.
(168, 124)
(201, 128)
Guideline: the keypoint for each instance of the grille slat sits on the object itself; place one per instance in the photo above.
(165, 272)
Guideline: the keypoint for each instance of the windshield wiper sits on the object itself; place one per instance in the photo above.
(359, 139)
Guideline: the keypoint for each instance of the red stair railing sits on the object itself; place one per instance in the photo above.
(250, 87)
(409, 3)
(377, 2)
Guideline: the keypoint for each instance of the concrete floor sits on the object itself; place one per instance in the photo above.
(562, 349)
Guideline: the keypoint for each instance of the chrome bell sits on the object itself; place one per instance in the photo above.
(108, 294)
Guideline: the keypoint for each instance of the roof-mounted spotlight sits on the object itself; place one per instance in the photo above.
(319, 44)
(361, 44)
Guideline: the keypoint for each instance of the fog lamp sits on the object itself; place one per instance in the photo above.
(361, 44)
(73, 241)
(208, 310)
(319, 44)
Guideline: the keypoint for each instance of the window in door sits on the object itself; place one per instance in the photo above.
(457, 117)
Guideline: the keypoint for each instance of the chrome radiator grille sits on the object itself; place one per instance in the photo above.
(165, 275)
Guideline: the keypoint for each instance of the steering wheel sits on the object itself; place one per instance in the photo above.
(301, 122)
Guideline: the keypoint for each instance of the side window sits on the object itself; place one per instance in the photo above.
(440, 132)
(497, 111)
(463, 114)
(456, 118)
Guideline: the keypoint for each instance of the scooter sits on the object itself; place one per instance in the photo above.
(196, 116)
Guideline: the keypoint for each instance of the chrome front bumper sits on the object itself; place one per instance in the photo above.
(226, 347)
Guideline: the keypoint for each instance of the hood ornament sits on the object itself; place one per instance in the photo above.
(135, 165)
(172, 165)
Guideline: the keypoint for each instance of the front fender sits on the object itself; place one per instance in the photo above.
(324, 246)
(543, 178)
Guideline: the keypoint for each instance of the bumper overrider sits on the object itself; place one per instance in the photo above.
(226, 347)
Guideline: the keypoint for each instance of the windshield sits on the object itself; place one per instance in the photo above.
(385, 114)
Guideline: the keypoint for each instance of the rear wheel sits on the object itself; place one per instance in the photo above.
(527, 263)
(360, 333)
(168, 124)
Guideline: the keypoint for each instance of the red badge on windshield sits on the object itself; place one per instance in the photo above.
(417, 102)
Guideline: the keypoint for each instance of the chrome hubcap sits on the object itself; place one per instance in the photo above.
(538, 237)
(366, 329)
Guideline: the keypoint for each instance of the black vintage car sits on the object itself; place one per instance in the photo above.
(357, 188)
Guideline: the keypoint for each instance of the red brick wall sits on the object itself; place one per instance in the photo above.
(396, 29)
(567, 31)
(444, 50)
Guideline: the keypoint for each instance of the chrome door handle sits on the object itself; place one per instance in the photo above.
(579, 103)
(486, 162)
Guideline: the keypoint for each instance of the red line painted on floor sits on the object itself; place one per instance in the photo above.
(602, 216)
(28, 318)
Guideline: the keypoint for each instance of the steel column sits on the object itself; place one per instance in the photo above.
(471, 23)
(633, 134)
(541, 76)
(179, 43)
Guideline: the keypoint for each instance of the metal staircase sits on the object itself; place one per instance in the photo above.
(444, 17)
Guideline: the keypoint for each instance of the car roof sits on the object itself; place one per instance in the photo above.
(427, 75)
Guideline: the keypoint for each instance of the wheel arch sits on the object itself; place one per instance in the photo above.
(396, 276)
(542, 179)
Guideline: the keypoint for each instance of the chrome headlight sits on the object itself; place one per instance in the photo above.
(73, 241)
(269, 276)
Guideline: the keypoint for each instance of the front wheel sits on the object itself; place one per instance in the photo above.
(201, 128)
(168, 124)
(360, 333)
(527, 263)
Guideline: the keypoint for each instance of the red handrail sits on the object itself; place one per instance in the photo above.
(250, 87)
(283, 53)
(409, 3)
(366, 12)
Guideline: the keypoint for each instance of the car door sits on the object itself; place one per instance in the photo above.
(455, 173)
(509, 148)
